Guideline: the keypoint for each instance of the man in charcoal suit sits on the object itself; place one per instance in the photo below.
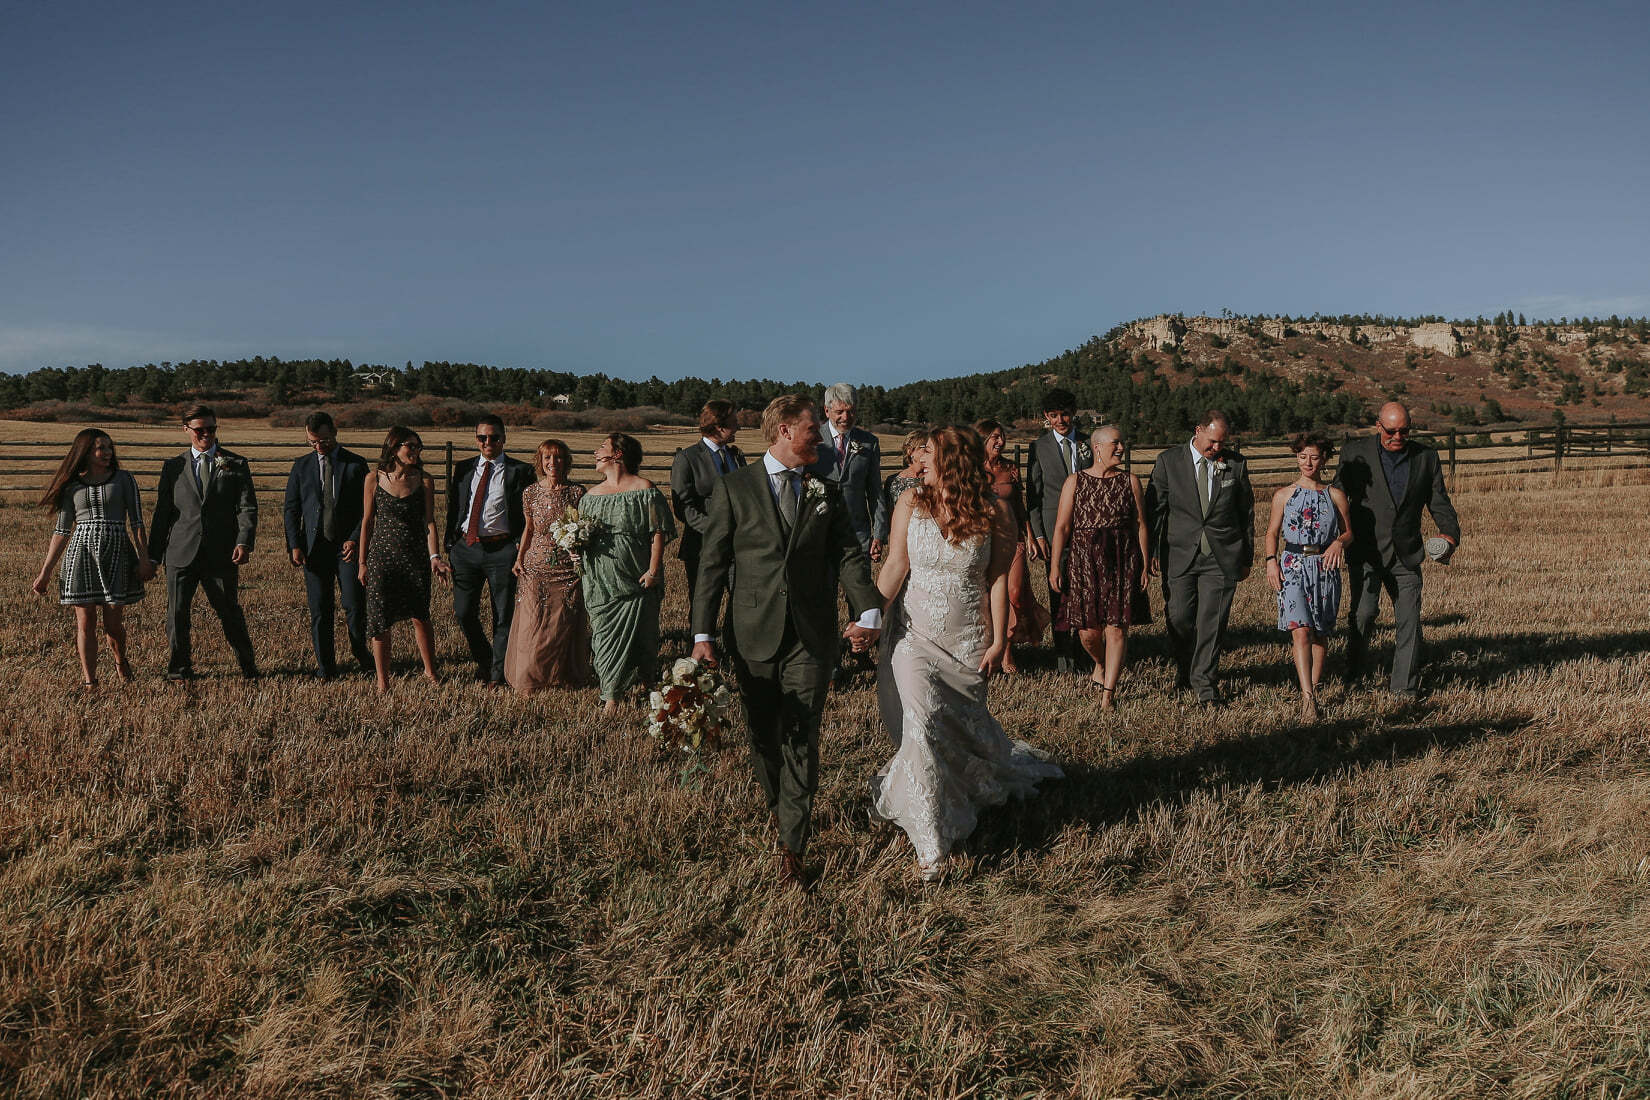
(323, 528)
(1388, 480)
(484, 524)
(1055, 456)
(1201, 510)
(852, 458)
(778, 540)
(206, 515)
(694, 474)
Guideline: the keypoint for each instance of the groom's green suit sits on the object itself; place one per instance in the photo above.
(782, 623)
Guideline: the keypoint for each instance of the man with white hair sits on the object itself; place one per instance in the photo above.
(852, 458)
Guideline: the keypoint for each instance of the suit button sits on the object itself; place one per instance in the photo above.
(782, 592)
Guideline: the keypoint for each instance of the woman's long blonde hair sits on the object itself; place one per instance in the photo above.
(960, 498)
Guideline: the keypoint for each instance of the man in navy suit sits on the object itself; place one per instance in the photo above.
(324, 495)
(484, 524)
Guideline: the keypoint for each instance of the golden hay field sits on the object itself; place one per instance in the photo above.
(302, 889)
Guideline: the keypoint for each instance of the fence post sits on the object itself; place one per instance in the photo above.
(1559, 432)
(449, 481)
(1529, 442)
(1128, 456)
(1610, 435)
(1452, 453)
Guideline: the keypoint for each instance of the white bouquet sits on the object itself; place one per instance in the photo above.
(689, 708)
(572, 533)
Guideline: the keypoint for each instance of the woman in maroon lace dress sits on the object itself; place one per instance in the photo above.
(550, 634)
(1026, 618)
(1100, 536)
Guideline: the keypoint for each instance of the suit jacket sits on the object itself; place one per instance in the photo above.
(302, 506)
(1176, 514)
(693, 474)
(859, 478)
(1046, 473)
(202, 526)
(778, 579)
(518, 476)
(1385, 531)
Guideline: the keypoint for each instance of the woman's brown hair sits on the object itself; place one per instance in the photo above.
(75, 463)
(1302, 440)
(913, 441)
(392, 443)
(960, 498)
(630, 451)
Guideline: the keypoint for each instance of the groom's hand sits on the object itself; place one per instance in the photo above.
(704, 653)
(861, 638)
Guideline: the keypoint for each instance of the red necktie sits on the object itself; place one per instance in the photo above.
(472, 533)
(842, 449)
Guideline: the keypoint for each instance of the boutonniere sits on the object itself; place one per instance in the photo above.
(814, 490)
(219, 463)
(1221, 467)
(854, 447)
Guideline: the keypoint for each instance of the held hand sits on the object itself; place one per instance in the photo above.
(146, 571)
(704, 653)
(347, 551)
(441, 569)
(1274, 575)
(992, 662)
(860, 638)
(876, 549)
(297, 556)
(239, 555)
(1039, 549)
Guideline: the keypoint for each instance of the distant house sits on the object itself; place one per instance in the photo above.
(562, 400)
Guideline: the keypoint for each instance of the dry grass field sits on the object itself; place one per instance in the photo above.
(298, 889)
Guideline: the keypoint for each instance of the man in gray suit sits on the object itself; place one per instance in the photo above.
(852, 458)
(694, 473)
(1055, 456)
(322, 509)
(1388, 480)
(1201, 508)
(779, 539)
(206, 515)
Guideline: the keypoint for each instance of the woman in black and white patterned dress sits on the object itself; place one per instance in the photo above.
(95, 500)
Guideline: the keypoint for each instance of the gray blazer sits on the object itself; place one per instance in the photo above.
(1175, 514)
(693, 476)
(1046, 474)
(202, 526)
(1384, 531)
(859, 478)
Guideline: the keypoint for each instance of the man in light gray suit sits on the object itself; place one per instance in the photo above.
(1388, 480)
(1055, 456)
(206, 515)
(852, 458)
(693, 476)
(1201, 508)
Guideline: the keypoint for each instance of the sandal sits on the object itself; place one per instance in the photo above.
(1108, 698)
(124, 671)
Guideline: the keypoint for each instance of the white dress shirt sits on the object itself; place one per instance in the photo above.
(495, 517)
(202, 473)
(1208, 467)
(871, 617)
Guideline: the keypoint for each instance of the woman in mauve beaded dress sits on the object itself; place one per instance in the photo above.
(95, 501)
(1026, 618)
(550, 632)
(1101, 538)
(397, 532)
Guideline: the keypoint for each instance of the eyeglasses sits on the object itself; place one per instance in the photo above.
(488, 438)
(1394, 431)
(210, 429)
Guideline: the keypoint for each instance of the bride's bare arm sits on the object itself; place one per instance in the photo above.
(896, 563)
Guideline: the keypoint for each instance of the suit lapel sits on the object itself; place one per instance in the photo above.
(198, 491)
(1377, 476)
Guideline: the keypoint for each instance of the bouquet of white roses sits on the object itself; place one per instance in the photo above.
(572, 533)
(689, 708)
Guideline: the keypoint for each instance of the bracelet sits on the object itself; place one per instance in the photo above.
(435, 557)
(1271, 557)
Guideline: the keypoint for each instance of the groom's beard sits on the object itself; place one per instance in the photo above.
(809, 455)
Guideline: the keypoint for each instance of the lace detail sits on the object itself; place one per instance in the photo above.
(954, 757)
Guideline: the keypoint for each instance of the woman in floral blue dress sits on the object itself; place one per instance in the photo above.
(1305, 548)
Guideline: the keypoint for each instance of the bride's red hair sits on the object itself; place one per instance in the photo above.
(960, 498)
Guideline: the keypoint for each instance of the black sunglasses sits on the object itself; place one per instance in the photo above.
(487, 438)
(1393, 431)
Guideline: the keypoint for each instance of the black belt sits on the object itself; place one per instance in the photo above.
(1302, 548)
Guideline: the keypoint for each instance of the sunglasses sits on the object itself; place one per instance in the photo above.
(1393, 431)
(212, 430)
(488, 438)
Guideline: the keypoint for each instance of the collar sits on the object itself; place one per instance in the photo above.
(210, 452)
(776, 467)
(1393, 456)
(1191, 445)
(711, 444)
(1070, 437)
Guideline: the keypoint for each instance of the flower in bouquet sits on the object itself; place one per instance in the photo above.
(572, 534)
(689, 708)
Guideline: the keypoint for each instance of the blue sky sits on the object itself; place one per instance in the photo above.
(872, 193)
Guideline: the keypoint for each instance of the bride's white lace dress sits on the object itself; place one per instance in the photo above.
(953, 757)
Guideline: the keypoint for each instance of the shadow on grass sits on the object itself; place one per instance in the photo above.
(1488, 660)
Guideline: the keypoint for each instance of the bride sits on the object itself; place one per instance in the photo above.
(950, 548)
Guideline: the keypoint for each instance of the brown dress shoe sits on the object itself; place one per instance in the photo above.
(790, 868)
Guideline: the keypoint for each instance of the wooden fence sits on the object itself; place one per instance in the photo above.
(26, 465)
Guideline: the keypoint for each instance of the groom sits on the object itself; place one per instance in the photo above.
(780, 540)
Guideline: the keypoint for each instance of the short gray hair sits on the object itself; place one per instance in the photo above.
(841, 393)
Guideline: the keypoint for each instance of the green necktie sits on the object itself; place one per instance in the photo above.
(787, 498)
(1203, 498)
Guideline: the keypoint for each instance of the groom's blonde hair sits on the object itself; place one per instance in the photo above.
(787, 408)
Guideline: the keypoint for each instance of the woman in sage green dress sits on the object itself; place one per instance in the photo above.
(624, 574)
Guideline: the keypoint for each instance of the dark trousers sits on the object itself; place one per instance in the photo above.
(784, 698)
(323, 569)
(474, 566)
(221, 587)
(1403, 586)
(1197, 604)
